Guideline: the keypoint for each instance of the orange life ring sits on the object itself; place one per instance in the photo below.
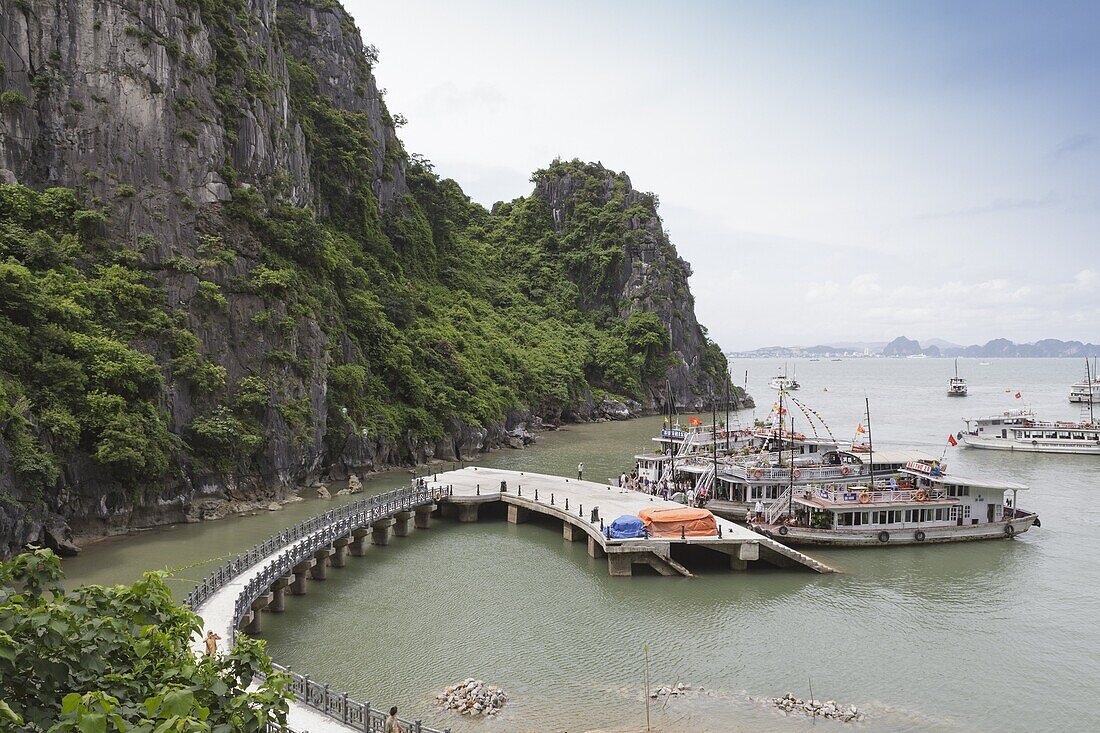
(865, 497)
(921, 495)
(797, 473)
(844, 470)
(758, 473)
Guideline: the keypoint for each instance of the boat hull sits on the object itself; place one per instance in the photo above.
(973, 441)
(901, 536)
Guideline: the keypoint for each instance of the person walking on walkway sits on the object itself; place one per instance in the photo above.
(759, 509)
(580, 471)
(391, 725)
(211, 642)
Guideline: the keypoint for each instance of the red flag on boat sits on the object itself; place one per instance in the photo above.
(694, 421)
(951, 440)
(1018, 395)
(859, 429)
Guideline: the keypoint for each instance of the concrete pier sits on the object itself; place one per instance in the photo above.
(359, 541)
(381, 531)
(278, 596)
(339, 557)
(319, 571)
(401, 524)
(423, 517)
(572, 533)
(300, 586)
(580, 504)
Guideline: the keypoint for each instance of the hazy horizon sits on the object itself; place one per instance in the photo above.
(828, 169)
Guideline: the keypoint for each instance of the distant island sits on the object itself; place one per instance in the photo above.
(902, 346)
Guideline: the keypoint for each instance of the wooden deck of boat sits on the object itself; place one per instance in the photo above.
(573, 500)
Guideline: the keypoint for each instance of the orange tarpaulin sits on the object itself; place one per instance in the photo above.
(668, 522)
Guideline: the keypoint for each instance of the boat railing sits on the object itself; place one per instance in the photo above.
(800, 473)
(856, 495)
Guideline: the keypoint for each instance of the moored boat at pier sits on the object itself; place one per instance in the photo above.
(927, 505)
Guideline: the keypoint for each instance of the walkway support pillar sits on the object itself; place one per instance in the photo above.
(618, 565)
(380, 531)
(423, 518)
(301, 578)
(571, 532)
(278, 595)
(595, 549)
(319, 571)
(359, 541)
(518, 514)
(467, 512)
(254, 626)
(339, 557)
(401, 524)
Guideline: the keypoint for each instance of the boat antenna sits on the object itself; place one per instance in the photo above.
(870, 443)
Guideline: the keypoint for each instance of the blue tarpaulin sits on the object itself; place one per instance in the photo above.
(626, 527)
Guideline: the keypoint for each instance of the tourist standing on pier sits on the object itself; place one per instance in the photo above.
(580, 471)
(759, 509)
(211, 643)
(391, 725)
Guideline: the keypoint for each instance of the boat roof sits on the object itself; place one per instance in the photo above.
(978, 483)
(892, 455)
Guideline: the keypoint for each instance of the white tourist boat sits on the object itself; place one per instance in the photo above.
(927, 505)
(1087, 391)
(743, 482)
(782, 382)
(956, 386)
(1082, 392)
(1019, 430)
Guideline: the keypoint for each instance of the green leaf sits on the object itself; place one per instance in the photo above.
(92, 723)
(70, 703)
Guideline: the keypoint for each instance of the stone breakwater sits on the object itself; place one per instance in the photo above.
(473, 697)
(828, 709)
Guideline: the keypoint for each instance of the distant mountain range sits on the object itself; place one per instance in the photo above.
(902, 346)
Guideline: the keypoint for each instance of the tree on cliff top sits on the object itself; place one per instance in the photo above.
(112, 659)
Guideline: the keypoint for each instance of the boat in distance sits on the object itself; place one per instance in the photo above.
(926, 506)
(1019, 430)
(956, 386)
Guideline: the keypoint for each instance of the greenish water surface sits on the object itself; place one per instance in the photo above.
(991, 636)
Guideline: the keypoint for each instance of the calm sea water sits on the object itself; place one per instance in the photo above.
(992, 636)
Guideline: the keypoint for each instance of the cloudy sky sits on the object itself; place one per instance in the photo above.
(833, 171)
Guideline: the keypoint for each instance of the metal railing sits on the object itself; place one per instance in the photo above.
(301, 542)
(852, 496)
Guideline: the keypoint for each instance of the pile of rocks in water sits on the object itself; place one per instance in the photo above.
(828, 709)
(669, 691)
(473, 697)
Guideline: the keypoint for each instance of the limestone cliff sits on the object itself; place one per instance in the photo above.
(322, 294)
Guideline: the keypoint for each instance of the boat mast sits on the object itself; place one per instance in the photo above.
(671, 444)
(790, 484)
(780, 427)
(714, 438)
(870, 443)
(1088, 381)
(727, 412)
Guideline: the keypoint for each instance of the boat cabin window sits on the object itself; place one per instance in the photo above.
(953, 490)
(1063, 436)
(1078, 436)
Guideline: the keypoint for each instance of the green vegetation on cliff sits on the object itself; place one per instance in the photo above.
(296, 319)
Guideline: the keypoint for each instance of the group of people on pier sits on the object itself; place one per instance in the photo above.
(681, 491)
